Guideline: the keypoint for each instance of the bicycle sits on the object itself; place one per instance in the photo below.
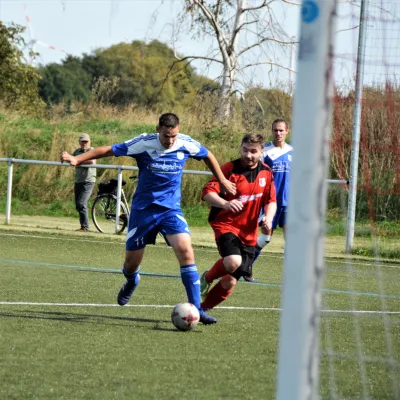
(104, 208)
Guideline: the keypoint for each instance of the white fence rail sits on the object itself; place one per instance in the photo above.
(119, 168)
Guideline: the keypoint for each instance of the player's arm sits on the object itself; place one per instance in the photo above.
(269, 214)
(214, 196)
(269, 209)
(214, 167)
(213, 199)
(98, 152)
(88, 162)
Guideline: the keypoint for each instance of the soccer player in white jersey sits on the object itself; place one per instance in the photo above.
(156, 206)
(278, 156)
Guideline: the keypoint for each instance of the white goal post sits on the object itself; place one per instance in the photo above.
(304, 255)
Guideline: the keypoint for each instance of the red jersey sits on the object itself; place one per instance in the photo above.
(254, 188)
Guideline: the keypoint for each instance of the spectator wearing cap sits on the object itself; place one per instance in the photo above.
(85, 178)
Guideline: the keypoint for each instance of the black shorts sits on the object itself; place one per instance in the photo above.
(228, 245)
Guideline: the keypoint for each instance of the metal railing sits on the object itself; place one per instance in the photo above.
(119, 168)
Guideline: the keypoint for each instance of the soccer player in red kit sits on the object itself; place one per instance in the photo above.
(235, 218)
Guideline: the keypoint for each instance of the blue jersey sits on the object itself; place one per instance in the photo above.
(280, 161)
(160, 169)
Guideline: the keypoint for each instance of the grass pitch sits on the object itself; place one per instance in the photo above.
(64, 337)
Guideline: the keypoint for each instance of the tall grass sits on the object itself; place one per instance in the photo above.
(43, 139)
(378, 195)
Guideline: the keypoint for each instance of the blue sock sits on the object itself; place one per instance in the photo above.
(191, 281)
(132, 277)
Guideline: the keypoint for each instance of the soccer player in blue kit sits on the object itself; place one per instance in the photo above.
(156, 206)
(278, 156)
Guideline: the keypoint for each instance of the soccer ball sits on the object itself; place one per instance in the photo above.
(185, 316)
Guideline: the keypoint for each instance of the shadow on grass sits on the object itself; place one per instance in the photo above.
(79, 318)
(158, 328)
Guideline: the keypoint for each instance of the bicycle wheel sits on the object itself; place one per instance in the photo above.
(104, 213)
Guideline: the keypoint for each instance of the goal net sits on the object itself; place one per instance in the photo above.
(340, 325)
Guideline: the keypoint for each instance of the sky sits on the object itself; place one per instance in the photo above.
(78, 27)
(81, 26)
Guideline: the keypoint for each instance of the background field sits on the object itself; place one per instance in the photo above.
(64, 337)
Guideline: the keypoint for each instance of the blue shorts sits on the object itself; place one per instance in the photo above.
(144, 225)
(280, 217)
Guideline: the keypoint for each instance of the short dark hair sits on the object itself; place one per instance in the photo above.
(253, 139)
(168, 120)
(280, 120)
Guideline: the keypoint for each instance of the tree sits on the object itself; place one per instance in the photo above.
(262, 106)
(66, 82)
(228, 22)
(18, 81)
(141, 69)
(125, 73)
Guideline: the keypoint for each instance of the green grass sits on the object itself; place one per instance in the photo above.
(371, 252)
(195, 215)
(57, 208)
(104, 352)
(337, 226)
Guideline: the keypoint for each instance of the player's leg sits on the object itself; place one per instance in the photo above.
(226, 268)
(263, 240)
(222, 267)
(174, 228)
(231, 259)
(219, 292)
(218, 270)
(182, 246)
(141, 231)
(130, 269)
(181, 243)
(266, 236)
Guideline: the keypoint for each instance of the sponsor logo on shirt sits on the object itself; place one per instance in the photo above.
(246, 198)
(162, 168)
(281, 167)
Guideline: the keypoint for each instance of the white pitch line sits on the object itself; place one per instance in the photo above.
(25, 303)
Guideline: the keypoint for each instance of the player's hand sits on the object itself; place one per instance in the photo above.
(234, 206)
(228, 187)
(266, 225)
(64, 156)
